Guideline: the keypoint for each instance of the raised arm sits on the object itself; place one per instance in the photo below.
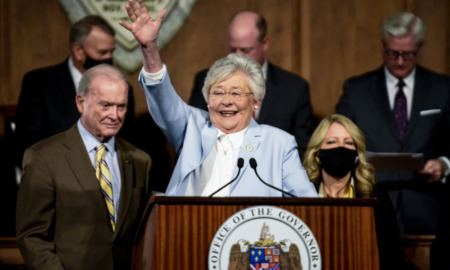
(145, 30)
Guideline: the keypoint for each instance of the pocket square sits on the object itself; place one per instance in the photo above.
(430, 112)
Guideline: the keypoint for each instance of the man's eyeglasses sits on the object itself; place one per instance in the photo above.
(235, 95)
(407, 55)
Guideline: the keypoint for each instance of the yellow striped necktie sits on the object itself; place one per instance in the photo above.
(104, 177)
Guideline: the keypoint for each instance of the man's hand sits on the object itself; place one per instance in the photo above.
(143, 27)
(434, 169)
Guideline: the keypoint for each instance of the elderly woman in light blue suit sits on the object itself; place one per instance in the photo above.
(210, 143)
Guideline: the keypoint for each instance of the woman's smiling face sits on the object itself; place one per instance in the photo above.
(231, 109)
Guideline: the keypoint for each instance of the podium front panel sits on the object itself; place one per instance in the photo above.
(176, 232)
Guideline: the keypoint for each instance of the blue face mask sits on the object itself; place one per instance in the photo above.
(337, 161)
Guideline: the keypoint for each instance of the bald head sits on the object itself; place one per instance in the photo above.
(247, 35)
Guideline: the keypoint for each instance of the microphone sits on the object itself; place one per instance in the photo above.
(240, 164)
(253, 165)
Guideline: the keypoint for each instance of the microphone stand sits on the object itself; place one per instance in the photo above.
(253, 165)
(240, 164)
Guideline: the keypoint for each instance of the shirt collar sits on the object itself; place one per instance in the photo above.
(235, 138)
(75, 73)
(90, 142)
(392, 80)
(265, 68)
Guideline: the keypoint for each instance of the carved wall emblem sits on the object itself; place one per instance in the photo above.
(127, 54)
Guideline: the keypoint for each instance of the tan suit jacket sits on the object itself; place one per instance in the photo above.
(62, 220)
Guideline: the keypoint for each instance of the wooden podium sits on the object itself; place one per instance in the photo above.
(176, 232)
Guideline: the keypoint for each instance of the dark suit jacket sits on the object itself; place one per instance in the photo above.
(47, 107)
(286, 104)
(440, 249)
(62, 220)
(388, 237)
(365, 101)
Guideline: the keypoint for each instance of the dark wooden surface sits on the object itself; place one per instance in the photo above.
(178, 232)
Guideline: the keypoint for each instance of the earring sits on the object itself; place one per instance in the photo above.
(256, 107)
(207, 106)
(318, 160)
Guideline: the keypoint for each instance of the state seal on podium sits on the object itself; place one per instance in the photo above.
(264, 237)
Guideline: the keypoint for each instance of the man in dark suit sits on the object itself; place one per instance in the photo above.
(79, 208)
(286, 104)
(404, 108)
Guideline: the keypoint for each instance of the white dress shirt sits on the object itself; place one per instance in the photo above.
(220, 163)
(408, 89)
(75, 73)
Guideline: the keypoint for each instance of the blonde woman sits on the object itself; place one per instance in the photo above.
(336, 165)
(335, 159)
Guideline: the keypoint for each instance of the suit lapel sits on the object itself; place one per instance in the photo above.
(81, 166)
(271, 97)
(379, 95)
(251, 143)
(419, 99)
(127, 176)
(191, 154)
(208, 139)
(78, 160)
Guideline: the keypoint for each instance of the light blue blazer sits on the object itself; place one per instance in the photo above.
(193, 136)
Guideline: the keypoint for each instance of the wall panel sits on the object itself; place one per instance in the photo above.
(324, 41)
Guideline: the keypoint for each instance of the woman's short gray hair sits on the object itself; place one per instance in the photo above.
(100, 70)
(402, 24)
(230, 64)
